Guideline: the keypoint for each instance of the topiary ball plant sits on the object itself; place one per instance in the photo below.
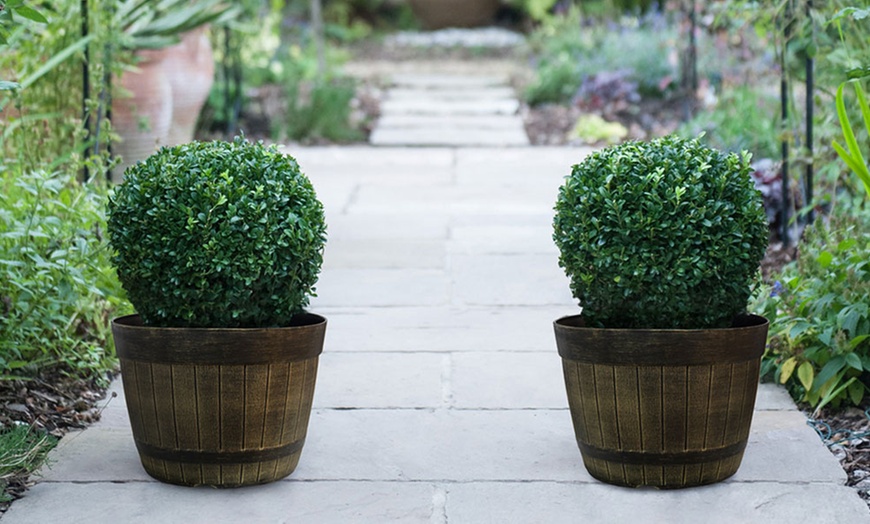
(665, 234)
(218, 234)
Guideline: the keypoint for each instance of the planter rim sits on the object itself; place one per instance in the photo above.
(304, 319)
(219, 346)
(576, 323)
(744, 341)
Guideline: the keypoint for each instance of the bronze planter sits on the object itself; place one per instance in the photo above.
(661, 408)
(219, 407)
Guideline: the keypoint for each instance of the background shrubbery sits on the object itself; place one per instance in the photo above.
(819, 309)
(568, 52)
(57, 287)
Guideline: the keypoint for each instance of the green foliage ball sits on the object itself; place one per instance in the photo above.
(666, 234)
(217, 234)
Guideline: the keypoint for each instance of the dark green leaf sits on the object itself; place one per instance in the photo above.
(30, 14)
(855, 361)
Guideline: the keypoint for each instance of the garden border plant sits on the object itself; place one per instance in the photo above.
(662, 242)
(820, 332)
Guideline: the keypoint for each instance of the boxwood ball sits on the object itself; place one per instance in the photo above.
(665, 234)
(217, 234)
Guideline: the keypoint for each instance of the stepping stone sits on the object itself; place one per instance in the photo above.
(450, 110)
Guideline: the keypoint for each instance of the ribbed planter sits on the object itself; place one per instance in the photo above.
(661, 408)
(219, 407)
(438, 14)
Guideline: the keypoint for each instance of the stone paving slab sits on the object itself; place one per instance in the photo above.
(517, 167)
(535, 280)
(501, 240)
(427, 81)
(429, 339)
(341, 502)
(382, 380)
(423, 134)
(446, 318)
(459, 445)
(350, 158)
(383, 226)
(424, 106)
(446, 94)
(280, 502)
(384, 254)
(485, 123)
(729, 503)
(454, 201)
(437, 445)
(445, 110)
(382, 288)
(507, 380)
(417, 70)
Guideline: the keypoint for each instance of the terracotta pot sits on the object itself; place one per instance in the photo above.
(661, 408)
(437, 14)
(143, 119)
(219, 407)
(190, 70)
(167, 94)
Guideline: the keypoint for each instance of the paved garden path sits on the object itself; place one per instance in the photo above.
(440, 396)
(449, 110)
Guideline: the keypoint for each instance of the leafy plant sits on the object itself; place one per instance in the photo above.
(324, 114)
(744, 119)
(56, 284)
(219, 234)
(592, 129)
(853, 157)
(11, 8)
(44, 128)
(568, 53)
(663, 234)
(820, 314)
(145, 24)
(318, 102)
(538, 10)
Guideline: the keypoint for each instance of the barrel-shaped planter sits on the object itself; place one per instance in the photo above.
(661, 408)
(219, 407)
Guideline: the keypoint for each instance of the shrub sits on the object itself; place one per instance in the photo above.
(820, 314)
(57, 287)
(324, 114)
(217, 234)
(662, 234)
(569, 53)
